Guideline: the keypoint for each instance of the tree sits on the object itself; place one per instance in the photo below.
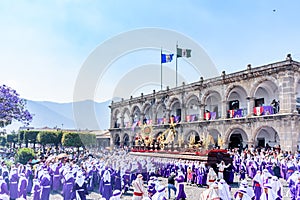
(47, 137)
(12, 139)
(3, 141)
(71, 140)
(30, 136)
(24, 155)
(12, 107)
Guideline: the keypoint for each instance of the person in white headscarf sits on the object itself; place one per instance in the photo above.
(160, 193)
(242, 195)
(266, 176)
(80, 188)
(208, 194)
(224, 190)
(276, 186)
(211, 176)
(244, 185)
(257, 185)
(268, 193)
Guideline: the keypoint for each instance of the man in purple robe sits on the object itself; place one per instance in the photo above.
(292, 182)
(3, 189)
(257, 185)
(117, 185)
(68, 185)
(22, 185)
(107, 187)
(36, 189)
(13, 183)
(29, 177)
(45, 185)
(126, 181)
(56, 183)
(180, 180)
(290, 169)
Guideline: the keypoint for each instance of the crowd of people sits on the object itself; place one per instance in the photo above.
(114, 173)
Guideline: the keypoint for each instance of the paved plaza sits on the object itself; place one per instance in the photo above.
(193, 192)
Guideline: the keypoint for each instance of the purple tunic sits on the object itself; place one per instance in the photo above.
(46, 187)
(181, 194)
(22, 187)
(117, 185)
(126, 181)
(257, 190)
(13, 186)
(3, 186)
(67, 188)
(36, 190)
(107, 190)
(56, 185)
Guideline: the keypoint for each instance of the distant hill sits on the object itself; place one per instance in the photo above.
(61, 115)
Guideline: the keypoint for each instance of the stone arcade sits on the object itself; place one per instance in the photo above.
(256, 106)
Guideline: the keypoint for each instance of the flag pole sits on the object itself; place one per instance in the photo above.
(176, 63)
(160, 68)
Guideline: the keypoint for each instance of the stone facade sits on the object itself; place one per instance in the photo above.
(256, 106)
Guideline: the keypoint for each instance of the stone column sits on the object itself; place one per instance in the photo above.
(202, 111)
(224, 109)
(122, 125)
(183, 113)
(250, 106)
(167, 115)
(286, 92)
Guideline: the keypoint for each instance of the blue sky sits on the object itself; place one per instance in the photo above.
(45, 43)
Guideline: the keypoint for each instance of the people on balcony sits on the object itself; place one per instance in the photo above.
(275, 105)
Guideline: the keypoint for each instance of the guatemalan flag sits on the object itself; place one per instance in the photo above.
(166, 58)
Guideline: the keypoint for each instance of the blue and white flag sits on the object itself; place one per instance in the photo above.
(166, 58)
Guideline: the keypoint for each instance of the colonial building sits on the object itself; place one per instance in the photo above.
(256, 106)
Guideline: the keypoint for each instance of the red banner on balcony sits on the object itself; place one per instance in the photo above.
(231, 113)
(207, 115)
(188, 118)
(258, 111)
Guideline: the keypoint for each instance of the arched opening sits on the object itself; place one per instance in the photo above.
(193, 138)
(176, 112)
(267, 136)
(192, 110)
(160, 113)
(237, 104)
(213, 106)
(126, 140)
(136, 115)
(117, 119)
(117, 140)
(237, 139)
(266, 99)
(148, 115)
(215, 133)
(126, 118)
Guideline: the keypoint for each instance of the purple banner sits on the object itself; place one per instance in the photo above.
(238, 113)
(268, 110)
